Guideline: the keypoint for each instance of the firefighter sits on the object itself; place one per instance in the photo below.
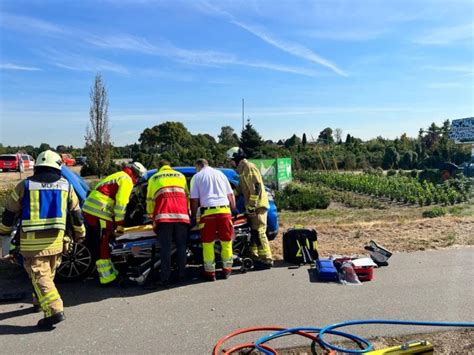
(167, 204)
(211, 190)
(256, 205)
(104, 211)
(43, 202)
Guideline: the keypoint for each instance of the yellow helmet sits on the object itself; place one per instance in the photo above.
(50, 159)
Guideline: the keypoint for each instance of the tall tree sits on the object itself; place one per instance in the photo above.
(325, 136)
(293, 141)
(304, 140)
(228, 137)
(98, 146)
(250, 140)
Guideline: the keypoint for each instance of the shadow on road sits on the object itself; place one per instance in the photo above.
(18, 329)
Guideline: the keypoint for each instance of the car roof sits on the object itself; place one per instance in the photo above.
(8, 155)
(231, 174)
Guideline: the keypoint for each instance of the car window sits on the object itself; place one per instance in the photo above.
(8, 158)
(25, 157)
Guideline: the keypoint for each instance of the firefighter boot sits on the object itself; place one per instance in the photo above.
(48, 322)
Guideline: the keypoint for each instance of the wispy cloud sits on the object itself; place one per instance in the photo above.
(295, 49)
(10, 66)
(82, 63)
(447, 35)
(28, 24)
(137, 44)
(292, 48)
(353, 35)
(463, 69)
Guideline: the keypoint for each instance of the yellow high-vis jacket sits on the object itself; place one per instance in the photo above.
(251, 185)
(109, 199)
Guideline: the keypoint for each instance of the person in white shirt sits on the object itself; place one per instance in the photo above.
(211, 190)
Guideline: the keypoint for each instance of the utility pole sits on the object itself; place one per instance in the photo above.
(243, 111)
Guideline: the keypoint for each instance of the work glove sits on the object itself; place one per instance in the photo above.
(119, 231)
(235, 213)
(250, 210)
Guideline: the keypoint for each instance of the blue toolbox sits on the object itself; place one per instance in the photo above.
(326, 270)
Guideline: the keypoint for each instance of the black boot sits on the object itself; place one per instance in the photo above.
(48, 322)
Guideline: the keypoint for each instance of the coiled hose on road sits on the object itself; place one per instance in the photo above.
(308, 332)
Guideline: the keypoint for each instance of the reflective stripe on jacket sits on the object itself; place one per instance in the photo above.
(44, 205)
(167, 196)
(45, 236)
(110, 197)
(250, 178)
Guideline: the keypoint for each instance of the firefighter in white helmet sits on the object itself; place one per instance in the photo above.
(104, 211)
(43, 202)
(256, 205)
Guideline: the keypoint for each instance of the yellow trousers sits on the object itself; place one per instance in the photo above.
(41, 271)
(260, 247)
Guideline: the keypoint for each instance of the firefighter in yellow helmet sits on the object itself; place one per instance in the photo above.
(43, 202)
(256, 205)
(104, 211)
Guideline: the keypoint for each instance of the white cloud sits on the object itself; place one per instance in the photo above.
(292, 48)
(82, 63)
(295, 49)
(463, 69)
(447, 35)
(27, 24)
(355, 34)
(10, 66)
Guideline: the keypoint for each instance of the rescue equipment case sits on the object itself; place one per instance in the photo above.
(300, 245)
(326, 270)
(364, 273)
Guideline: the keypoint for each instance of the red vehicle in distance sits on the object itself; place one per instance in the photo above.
(68, 159)
(16, 162)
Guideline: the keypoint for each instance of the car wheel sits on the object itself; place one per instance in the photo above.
(76, 264)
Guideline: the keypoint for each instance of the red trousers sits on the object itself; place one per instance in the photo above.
(100, 232)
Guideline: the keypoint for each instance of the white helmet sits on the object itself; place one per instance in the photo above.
(138, 169)
(235, 153)
(50, 159)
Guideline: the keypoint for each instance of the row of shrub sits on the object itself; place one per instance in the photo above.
(302, 197)
(396, 188)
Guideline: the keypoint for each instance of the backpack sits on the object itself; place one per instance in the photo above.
(300, 245)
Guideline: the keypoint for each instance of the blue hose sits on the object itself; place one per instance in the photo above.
(267, 338)
(330, 330)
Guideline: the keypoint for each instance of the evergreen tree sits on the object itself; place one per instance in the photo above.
(250, 140)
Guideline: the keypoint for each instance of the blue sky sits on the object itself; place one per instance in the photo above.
(368, 67)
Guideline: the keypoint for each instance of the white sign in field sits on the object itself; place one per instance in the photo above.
(462, 130)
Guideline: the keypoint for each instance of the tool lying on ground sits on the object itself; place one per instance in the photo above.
(378, 253)
(364, 345)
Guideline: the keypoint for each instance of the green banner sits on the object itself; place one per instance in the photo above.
(276, 173)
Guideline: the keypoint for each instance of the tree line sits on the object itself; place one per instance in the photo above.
(327, 151)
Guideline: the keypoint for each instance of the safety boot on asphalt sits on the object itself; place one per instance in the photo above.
(48, 322)
(226, 273)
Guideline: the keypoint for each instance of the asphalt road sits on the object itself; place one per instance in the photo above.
(433, 285)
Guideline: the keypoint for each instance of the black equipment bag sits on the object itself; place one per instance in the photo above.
(300, 246)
